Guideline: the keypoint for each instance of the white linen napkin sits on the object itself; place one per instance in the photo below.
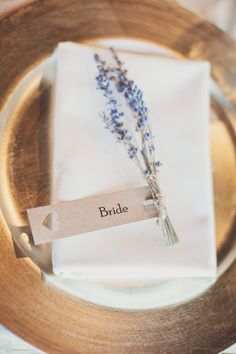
(87, 161)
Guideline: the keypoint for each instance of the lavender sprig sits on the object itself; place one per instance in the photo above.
(134, 98)
(113, 116)
(112, 81)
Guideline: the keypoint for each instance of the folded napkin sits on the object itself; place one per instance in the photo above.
(87, 161)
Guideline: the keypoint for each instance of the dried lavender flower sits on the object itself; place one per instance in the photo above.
(113, 117)
(112, 82)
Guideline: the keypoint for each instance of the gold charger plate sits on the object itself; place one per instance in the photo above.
(41, 314)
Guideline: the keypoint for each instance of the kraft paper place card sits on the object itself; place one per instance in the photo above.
(87, 162)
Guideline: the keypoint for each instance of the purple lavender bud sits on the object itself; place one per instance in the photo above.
(158, 164)
(132, 151)
(146, 136)
(151, 148)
